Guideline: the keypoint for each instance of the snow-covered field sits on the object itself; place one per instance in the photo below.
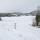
(18, 28)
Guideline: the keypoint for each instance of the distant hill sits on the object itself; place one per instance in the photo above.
(33, 13)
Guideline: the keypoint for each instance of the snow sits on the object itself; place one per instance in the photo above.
(24, 29)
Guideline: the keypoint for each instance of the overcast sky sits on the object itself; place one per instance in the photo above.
(18, 5)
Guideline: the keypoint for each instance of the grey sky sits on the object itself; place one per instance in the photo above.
(18, 5)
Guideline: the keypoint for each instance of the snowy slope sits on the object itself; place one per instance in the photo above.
(23, 31)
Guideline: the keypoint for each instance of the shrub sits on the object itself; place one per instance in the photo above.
(37, 19)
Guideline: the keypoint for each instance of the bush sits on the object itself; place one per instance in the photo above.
(34, 22)
(37, 19)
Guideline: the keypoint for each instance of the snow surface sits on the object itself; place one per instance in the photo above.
(24, 29)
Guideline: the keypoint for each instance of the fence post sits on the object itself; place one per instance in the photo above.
(15, 25)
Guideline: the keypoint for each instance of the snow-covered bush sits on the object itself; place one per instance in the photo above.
(34, 22)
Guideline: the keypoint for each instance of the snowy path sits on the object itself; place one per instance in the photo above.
(24, 30)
